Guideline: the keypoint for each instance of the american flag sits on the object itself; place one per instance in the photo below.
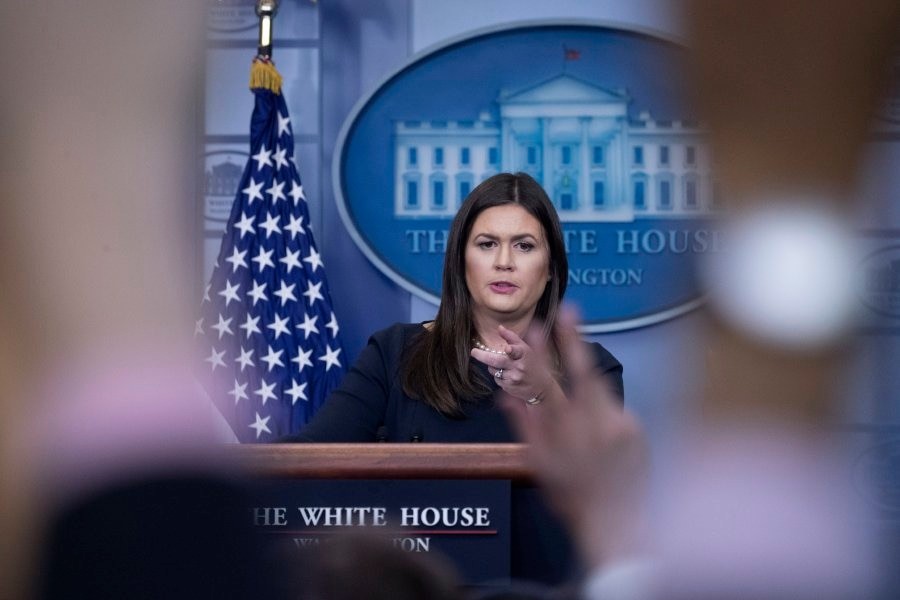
(268, 332)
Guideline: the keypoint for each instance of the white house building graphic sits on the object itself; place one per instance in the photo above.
(573, 137)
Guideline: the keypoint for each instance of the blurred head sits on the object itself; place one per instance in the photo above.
(357, 564)
(505, 252)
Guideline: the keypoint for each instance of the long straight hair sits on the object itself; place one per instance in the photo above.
(436, 367)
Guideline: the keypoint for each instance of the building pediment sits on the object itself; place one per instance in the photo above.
(563, 89)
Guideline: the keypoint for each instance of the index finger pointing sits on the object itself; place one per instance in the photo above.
(515, 343)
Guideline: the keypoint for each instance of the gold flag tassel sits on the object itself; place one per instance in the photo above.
(264, 75)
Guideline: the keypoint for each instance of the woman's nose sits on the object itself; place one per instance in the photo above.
(503, 259)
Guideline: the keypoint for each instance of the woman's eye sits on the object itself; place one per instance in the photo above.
(486, 245)
(525, 246)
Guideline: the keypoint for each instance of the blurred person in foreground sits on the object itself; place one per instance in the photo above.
(98, 404)
(505, 268)
(755, 500)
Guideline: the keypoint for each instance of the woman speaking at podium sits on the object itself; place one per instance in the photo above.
(505, 270)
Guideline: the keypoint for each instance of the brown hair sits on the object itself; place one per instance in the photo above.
(436, 367)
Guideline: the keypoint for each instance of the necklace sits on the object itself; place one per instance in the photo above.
(484, 347)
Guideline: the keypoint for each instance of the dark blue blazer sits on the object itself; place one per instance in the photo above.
(370, 405)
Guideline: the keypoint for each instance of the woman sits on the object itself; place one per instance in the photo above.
(505, 268)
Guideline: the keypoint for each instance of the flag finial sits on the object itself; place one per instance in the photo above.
(265, 10)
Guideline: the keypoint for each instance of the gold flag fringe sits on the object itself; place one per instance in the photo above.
(263, 75)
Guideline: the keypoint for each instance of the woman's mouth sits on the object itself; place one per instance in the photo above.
(503, 287)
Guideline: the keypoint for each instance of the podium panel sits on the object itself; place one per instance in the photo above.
(474, 503)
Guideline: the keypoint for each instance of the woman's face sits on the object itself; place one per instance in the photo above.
(507, 263)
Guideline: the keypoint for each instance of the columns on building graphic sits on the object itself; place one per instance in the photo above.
(595, 162)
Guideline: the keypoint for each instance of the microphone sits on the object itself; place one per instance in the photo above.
(381, 434)
(416, 436)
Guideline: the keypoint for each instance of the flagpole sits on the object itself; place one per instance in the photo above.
(262, 72)
(265, 10)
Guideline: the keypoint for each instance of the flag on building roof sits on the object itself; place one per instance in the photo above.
(268, 331)
(571, 53)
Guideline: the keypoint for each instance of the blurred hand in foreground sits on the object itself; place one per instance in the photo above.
(588, 453)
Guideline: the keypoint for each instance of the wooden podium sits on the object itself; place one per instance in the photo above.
(539, 549)
(385, 461)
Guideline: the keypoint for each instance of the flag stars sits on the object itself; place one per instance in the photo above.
(266, 358)
(230, 293)
(279, 326)
(296, 192)
(286, 292)
(261, 425)
(245, 225)
(223, 327)
(302, 359)
(253, 191)
(239, 391)
(330, 358)
(264, 259)
(333, 325)
(309, 325)
(297, 392)
(314, 259)
(258, 292)
(270, 225)
(206, 293)
(284, 125)
(250, 325)
(245, 359)
(280, 158)
(295, 226)
(266, 392)
(291, 260)
(237, 259)
(263, 159)
(313, 292)
(216, 359)
(276, 190)
(273, 359)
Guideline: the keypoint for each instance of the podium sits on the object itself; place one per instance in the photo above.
(384, 461)
(440, 487)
